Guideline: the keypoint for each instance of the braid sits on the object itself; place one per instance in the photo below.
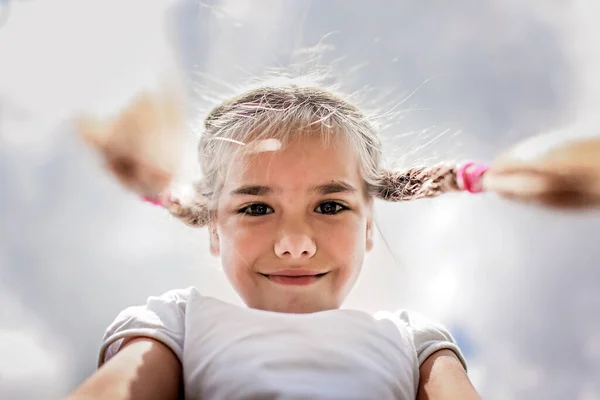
(416, 183)
(549, 170)
(194, 213)
(140, 147)
(564, 175)
(193, 210)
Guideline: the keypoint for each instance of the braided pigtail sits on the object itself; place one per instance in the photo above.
(416, 183)
(192, 208)
(564, 175)
(549, 170)
(140, 146)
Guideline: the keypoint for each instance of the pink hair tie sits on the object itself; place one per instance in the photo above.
(160, 200)
(469, 176)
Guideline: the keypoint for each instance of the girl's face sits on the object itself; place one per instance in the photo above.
(292, 226)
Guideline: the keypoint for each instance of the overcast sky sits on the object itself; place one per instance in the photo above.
(518, 286)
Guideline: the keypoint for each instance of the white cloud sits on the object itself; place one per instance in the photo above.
(33, 364)
(65, 56)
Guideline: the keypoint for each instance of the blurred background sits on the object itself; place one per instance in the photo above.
(519, 287)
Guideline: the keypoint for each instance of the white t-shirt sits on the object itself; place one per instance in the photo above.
(231, 352)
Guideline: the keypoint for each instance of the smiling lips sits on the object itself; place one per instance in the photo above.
(295, 277)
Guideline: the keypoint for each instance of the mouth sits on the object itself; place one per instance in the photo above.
(298, 278)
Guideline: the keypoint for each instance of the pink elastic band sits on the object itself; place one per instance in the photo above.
(159, 200)
(469, 176)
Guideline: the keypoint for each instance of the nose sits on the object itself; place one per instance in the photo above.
(295, 246)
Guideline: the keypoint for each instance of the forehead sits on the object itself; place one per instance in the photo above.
(301, 162)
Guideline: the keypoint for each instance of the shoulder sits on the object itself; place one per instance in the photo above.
(423, 326)
(180, 296)
(160, 308)
(161, 317)
(428, 335)
(177, 297)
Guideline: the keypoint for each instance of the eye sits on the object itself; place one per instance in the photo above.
(330, 208)
(256, 209)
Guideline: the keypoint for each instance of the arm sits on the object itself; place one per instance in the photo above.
(444, 378)
(143, 369)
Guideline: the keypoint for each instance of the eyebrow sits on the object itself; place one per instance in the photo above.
(324, 189)
(333, 187)
(252, 190)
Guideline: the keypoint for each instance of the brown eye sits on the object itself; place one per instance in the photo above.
(330, 208)
(256, 209)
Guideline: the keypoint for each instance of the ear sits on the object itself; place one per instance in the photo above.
(369, 230)
(215, 243)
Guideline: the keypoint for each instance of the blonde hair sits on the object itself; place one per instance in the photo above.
(139, 147)
(287, 112)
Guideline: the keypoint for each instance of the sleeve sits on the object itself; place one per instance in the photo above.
(429, 336)
(162, 318)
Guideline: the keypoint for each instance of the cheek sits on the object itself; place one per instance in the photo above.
(241, 247)
(345, 244)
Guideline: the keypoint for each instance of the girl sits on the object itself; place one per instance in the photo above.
(290, 175)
